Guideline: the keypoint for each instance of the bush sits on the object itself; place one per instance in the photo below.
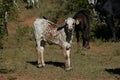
(76, 5)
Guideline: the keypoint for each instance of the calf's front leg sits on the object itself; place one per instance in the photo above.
(67, 59)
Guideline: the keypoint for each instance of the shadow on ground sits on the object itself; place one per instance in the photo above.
(113, 71)
(56, 64)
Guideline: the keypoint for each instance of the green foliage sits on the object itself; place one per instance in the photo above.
(24, 32)
(54, 9)
(6, 5)
(13, 14)
(76, 5)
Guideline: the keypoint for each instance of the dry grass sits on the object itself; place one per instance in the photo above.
(18, 62)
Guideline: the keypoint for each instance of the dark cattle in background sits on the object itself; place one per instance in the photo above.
(82, 19)
(108, 9)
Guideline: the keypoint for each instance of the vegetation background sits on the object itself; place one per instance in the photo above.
(18, 58)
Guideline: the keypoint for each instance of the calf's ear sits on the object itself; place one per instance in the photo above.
(77, 21)
(61, 21)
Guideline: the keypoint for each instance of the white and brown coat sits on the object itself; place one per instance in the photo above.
(47, 31)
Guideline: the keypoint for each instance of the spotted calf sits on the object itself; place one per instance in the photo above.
(47, 31)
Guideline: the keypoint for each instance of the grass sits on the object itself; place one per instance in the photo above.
(19, 58)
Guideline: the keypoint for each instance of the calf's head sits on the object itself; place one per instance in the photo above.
(70, 23)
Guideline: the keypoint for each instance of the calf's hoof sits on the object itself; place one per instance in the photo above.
(69, 69)
(40, 65)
